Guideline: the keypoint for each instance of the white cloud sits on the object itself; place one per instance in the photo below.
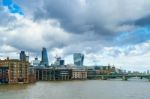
(60, 26)
(137, 58)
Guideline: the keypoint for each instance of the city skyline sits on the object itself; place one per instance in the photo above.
(118, 34)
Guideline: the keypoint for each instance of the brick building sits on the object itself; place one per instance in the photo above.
(14, 71)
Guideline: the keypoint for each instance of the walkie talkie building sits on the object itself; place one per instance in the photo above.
(78, 59)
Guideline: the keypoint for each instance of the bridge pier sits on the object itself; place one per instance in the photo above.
(125, 78)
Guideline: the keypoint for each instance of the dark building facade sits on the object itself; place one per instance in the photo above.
(4, 75)
(44, 74)
(78, 59)
(44, 60)
(22, 56)
(52, 74)
(62, 62)
(63, 74)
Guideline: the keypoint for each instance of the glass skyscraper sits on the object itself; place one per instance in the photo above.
(78, 59)
(36, 62)
(22, 56)
(44, 61)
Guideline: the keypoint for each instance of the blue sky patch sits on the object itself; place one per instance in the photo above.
(7, 2)
(13, 8)
(139, 35)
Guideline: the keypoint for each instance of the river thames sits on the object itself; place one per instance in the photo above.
(89, 89)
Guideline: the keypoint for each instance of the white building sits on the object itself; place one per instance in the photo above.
(36, 62)
(79, 74)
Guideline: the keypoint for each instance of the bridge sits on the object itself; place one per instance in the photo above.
(124, 77)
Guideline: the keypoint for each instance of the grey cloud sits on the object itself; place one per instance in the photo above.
(93, 15)
(89, 26)
(96, 16)
(145, 21)
(6, 19)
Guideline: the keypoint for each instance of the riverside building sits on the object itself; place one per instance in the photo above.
(14, 71)
(53, 73)
(79, 74)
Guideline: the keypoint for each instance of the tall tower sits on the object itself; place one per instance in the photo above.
(44, 60)
(22, 56)
(78, 59)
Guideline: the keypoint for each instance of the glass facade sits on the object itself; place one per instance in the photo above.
(62, 62)
(36, 62)
(78, 59)
(59, 61)
(22, 56)
(44, 61)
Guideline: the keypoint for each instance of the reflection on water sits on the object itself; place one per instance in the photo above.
(92, 89)
(13, 87)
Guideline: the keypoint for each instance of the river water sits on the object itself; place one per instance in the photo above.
(89, 89)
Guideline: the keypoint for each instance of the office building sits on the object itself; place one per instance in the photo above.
(36, 62)
(44, 61)
(59, 61)
(62, 62)
(78, 59)
(27, 58)
(22, 56)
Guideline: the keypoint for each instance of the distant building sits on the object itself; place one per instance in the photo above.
(62, 62)
(27, 58)
(44, 61)
(103, 70)
(22, 56)
(36, 62)
(59, 62)
(78, 59)
(14, 71)
(147, 71)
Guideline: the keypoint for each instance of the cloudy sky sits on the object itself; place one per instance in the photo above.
(106, 31)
